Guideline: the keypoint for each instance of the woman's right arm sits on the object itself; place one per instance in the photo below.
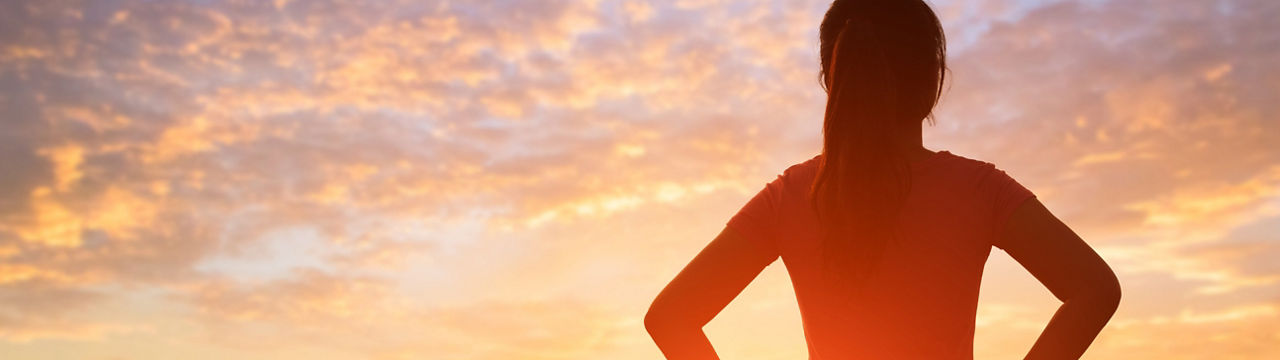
(1072, 271)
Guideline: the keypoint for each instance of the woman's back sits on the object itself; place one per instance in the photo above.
(921, 300)
(885, 249)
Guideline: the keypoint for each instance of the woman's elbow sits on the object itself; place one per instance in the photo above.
(1112, 293)
(1101, 293)
(665, 317)
(1106, 295)
(655, 322)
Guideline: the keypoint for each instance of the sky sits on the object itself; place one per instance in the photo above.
(518, 179)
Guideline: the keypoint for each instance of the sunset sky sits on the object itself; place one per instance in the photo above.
(518, 179)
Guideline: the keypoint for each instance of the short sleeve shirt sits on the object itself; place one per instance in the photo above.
(923, 297)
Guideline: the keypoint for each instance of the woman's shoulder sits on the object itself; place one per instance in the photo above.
(978, 173)
(806, 169)
(961, 162)
(797, 178)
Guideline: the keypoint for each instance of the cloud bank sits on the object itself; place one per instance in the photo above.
(517, 179)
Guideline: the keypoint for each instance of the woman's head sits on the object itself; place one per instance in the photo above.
(900, 40)
(883, 66)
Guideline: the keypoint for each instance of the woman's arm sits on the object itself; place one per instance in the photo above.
(1071, 270)
(700, 291)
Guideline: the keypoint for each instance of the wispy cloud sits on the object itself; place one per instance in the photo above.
(517, 179)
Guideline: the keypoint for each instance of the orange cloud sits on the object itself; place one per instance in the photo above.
(445, 179)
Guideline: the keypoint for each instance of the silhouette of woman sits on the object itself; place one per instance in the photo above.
(885, 240)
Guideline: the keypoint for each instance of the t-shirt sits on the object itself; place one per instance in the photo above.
(921, 301)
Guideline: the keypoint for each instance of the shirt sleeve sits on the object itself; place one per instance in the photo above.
(757, 221)
(1004, 195)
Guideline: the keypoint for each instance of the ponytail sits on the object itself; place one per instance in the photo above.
(888, 72)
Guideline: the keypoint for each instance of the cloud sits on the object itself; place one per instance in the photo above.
(449, 177)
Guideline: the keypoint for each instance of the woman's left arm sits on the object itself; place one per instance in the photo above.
(714, 277)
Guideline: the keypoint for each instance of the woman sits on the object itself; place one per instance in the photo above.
(885, 240)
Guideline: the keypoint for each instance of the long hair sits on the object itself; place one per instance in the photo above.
(890, 65)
